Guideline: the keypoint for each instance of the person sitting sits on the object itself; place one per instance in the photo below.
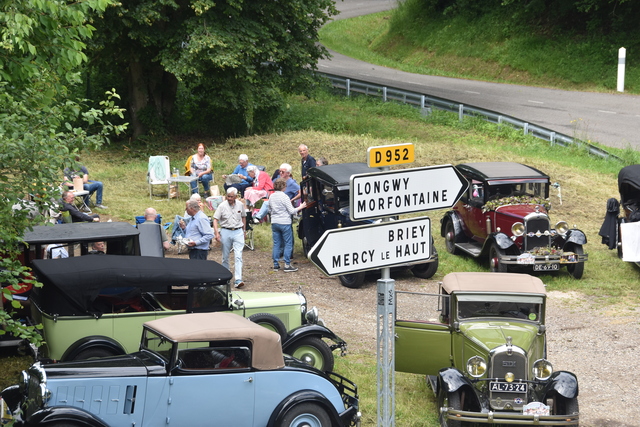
(291, 190)
(150, 215)
(240, 172)
(202, 168)
(262, 185)
(88, 184)
(76, 215)
(98, 248)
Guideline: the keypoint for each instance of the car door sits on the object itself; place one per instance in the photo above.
(470, 210)
(422, 333)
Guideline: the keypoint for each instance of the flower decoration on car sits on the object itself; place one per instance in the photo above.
(492, 205)
(546, 251)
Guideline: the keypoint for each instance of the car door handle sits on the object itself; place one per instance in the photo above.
(249, 380)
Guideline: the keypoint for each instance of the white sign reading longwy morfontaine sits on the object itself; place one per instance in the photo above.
(377, 195)
(368, 247)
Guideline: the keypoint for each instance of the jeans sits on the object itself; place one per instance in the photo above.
(282, 242)
(198, 254)
(205, 180)
(235, 239)
(93, 187)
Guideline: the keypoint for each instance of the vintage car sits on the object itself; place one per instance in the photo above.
(95, 305)
(626, 222)
(482, 345)
(191, 370)
(504, 217)
(326, 191)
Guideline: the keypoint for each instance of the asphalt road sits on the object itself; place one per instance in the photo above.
(610, 119)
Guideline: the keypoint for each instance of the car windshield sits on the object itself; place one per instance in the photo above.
(498, 189)
(156, 343)
(507, 306)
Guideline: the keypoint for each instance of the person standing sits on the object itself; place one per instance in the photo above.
(198, 231)
(281, 210)
(88, 184)
(230, 224)
(307, 162)
(201, 167)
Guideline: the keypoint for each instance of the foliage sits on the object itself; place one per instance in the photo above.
(492, 205)
(41, 50)
(234, 59)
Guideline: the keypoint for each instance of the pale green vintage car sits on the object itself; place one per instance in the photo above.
(94, 305)
(481, 342)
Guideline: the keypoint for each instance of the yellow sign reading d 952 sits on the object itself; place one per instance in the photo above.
(387, 155)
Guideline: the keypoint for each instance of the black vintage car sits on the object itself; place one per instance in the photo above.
(326, 191)
(505, 217)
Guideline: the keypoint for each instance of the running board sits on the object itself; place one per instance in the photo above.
(473, 249)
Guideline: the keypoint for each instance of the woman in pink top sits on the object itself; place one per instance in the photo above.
(261, 188)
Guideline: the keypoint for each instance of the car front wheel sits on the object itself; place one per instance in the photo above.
(494, 259)
(450, 238)
(352, 281)
(271, 322)
(576, 270)
(425, 270)
(306, 415)
(566, 406)
(453, 401)
(314, 352)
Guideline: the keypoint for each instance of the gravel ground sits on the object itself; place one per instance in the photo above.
(597, 344)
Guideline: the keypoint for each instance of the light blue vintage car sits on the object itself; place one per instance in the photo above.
(192, 370)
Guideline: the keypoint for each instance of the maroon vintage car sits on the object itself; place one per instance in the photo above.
(504, 216)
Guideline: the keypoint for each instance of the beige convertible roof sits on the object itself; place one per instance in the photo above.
(492, 282)
(267, 348)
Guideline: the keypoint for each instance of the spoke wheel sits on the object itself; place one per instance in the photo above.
(314, 352)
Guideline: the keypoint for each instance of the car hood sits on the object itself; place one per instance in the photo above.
(491, 334)
(130, 365)
(267, 299)
(520, 210)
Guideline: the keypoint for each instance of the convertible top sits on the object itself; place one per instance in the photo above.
(80, 231)
(267, 348)
(493, 282)
(501, 170)
(340, 174)
(629, 183)
(71, 285)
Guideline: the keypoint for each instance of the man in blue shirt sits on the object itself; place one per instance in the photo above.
(241, 172)
(198, 231)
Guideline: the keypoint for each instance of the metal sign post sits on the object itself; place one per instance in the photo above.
(385, 352)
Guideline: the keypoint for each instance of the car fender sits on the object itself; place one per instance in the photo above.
(315, 330)
(562, 382)
(577, 237)
(452, 379)
(12, 397)
(92, 341)
(64, 414)
(502, 240)
(303, 396)
(455, 220)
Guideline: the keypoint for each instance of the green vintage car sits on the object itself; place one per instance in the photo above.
(481, 343)
(94, 305)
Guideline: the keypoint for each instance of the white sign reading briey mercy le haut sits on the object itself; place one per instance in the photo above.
(377, 195)
(369, 247)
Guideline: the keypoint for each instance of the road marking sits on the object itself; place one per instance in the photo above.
(607, 112)
(471, 91)
(365, 74)
(535, 102)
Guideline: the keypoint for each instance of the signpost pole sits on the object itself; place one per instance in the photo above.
(386, 346)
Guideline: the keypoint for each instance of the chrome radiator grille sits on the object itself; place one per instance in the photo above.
(536, 225)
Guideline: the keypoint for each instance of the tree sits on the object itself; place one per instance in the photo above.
(230, 56)
(41, 127)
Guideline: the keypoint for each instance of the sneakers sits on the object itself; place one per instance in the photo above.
(290, 269)
(239, 284)
(101, 207)
(276, 267)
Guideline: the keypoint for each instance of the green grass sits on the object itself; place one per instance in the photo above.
(342, 130)
(482, 49)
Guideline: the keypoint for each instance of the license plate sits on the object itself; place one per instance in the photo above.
(546, 267)
(508, 387)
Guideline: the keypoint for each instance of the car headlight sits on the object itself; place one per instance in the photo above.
(517, 229)
(312, 316)
(562, 227)
(476, 366)
(542, 369)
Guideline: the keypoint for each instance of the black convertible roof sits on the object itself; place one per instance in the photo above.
(70, 285)
(340, 174)
(500, 170)
(79, 231)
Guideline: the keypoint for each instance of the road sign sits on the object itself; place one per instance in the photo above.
(377, 195)
(389, 155)
(369, 247)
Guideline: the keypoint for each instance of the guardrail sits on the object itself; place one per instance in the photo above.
(426, 102)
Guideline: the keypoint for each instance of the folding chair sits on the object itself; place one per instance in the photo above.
(158, 173)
